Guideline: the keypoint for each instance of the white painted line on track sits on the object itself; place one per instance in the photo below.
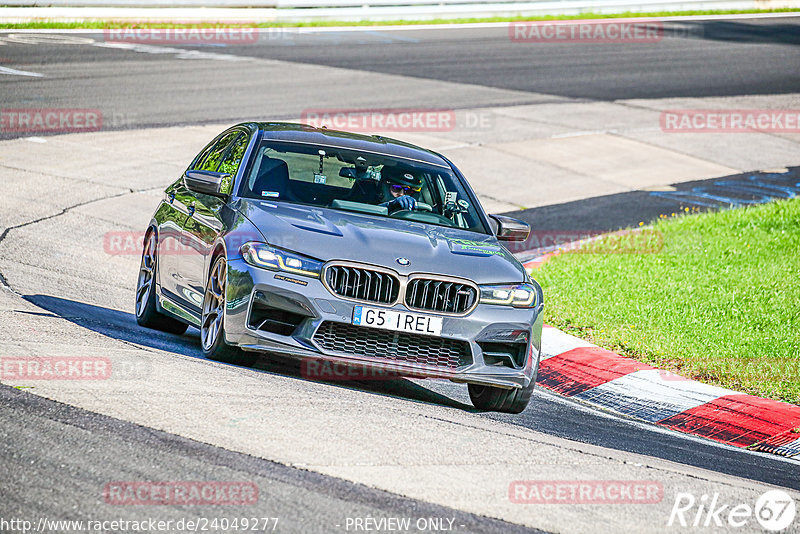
(15, 72)
(181, 53)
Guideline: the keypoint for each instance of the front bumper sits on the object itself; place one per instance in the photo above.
(300, 312)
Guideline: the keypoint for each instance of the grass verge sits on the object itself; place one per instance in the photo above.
(713, 296)
(112, 24)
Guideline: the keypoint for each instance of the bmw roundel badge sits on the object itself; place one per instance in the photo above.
(403, 261)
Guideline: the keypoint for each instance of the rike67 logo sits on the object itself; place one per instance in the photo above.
(775, 511)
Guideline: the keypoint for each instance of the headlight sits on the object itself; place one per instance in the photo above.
(275, 259)
(517, 295)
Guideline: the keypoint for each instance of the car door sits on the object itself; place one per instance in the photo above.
(204, 223)
(171, 217)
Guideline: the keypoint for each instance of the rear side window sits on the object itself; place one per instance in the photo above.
(211, 160)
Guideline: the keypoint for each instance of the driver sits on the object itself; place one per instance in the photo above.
(398, 188)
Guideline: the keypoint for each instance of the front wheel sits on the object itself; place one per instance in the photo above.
(499, 399)
(212, 324)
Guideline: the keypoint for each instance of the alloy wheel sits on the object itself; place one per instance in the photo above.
(144, 286)
(213, 305)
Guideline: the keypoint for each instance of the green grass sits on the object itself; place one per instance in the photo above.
(712, 296)
(112, 24)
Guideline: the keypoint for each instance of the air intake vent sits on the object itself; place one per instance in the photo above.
(393, 346)
(362, 284)
(440, 295)
(274, 320)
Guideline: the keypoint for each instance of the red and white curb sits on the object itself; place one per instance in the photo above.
(575, 368)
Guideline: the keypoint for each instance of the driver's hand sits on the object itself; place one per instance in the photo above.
(404, 202)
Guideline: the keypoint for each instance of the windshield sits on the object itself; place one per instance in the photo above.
(363, 182)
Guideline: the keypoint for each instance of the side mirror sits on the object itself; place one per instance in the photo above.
(208, 182)
(509, 229)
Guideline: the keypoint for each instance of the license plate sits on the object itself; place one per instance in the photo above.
(397, 320)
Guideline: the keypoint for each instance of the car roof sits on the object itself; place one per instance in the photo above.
(303, 133)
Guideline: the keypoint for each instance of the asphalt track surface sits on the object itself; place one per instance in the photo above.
(693, 59)
(548, 412)
(701, 59)
(99, 449)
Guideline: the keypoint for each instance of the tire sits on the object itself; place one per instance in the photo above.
(212, 323)
(147, 313)
(500, 400)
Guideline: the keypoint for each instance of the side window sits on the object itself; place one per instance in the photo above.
(234, 158)
(211, 161)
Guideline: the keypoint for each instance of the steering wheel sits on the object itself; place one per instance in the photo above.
(401, 214)
(423, 216)
(419, 206)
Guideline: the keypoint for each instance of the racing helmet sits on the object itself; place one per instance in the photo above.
(397, 176)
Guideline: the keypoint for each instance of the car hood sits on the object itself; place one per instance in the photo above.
(328, 234)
